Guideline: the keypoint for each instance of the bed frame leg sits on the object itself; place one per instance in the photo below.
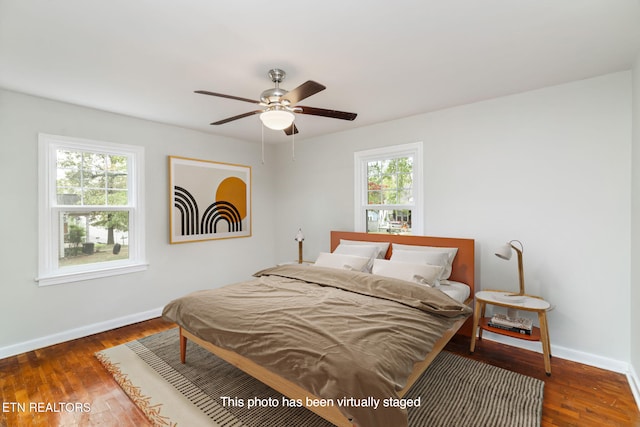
(183, 347)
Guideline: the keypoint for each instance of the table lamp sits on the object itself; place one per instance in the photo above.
(299, 238)
(505, 251)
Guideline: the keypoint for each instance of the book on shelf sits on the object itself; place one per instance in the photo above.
(510, 328)
(520, 325)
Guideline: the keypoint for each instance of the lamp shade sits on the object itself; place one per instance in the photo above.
(299, 236)
(277, 119)
(504, 251)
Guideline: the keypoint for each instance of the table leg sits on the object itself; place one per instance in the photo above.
(183, 347)
(476, 321)
(483, 310)
(544, 338)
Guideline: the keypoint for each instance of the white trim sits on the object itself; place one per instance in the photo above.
(360, 158)
(57, 279)
(80, 332)
(634, 383)
(563, 353)
(48, 271)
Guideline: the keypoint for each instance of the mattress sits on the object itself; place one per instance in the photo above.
(456, 290)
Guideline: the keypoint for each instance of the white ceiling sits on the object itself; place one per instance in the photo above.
(380, 59)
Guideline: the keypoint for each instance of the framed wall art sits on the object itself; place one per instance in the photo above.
(208, 200)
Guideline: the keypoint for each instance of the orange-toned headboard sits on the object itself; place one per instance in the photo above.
(462, 270)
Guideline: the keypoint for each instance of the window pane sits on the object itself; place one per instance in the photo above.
(93, 237)
(389, 197)
(405, 197)
(69, 159)
(396, 221)
(117, 180)
(387, 165)
(117, 198)
(93, 178)
(94, 161)
(68, 196)
(373, 169)
(374, 198)
(389, 182)
(405, 180)
(92, 196)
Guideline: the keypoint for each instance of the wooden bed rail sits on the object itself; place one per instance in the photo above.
(276, 382)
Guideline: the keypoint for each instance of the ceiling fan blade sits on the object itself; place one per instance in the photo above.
(303, 91)
(221, 95)
(291, 129)
(240, 116)
(343, 115)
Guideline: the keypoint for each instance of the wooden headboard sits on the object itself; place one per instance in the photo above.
(462, 270)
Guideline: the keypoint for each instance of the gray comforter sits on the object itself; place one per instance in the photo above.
(336, 333)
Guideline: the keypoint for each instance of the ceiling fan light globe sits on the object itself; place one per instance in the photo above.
(277, 119)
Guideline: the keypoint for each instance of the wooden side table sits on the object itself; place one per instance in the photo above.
(524, 303)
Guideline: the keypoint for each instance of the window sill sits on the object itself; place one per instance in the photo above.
(77, 276)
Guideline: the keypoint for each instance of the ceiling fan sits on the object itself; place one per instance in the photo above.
(280, 105)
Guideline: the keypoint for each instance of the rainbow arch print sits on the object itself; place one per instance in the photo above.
(208, 200)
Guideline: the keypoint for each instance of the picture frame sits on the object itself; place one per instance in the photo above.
(208, 200)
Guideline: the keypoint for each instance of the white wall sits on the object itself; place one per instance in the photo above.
(31, 315)
(549, 167)
(634, 301)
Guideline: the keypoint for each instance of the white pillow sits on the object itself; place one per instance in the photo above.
(383, 247)
(340, 261)
(423, 274)
(416, 257)
(451, 254)
(368, 251)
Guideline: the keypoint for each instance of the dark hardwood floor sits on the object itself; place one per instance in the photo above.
(575, 394)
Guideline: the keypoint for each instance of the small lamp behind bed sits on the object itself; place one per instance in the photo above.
(299, 238)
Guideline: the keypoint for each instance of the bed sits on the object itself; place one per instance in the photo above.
(318, 334)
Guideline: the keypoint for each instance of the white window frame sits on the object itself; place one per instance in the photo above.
(361, 158)
(49, 231)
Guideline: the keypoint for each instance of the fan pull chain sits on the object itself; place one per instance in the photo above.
(293, 143)
(262, 129)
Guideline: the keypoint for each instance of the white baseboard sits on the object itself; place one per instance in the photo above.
(634, 383)
(564, 353)
(72, 334)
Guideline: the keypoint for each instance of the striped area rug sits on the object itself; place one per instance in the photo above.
(454, 391)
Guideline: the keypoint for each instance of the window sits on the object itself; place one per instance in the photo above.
(91, 209)
(388, 189)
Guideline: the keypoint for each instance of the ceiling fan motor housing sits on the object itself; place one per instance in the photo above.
(272, 95)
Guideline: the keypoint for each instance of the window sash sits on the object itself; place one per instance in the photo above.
(50, 272)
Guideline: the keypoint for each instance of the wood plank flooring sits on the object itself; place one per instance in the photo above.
(575, 395)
